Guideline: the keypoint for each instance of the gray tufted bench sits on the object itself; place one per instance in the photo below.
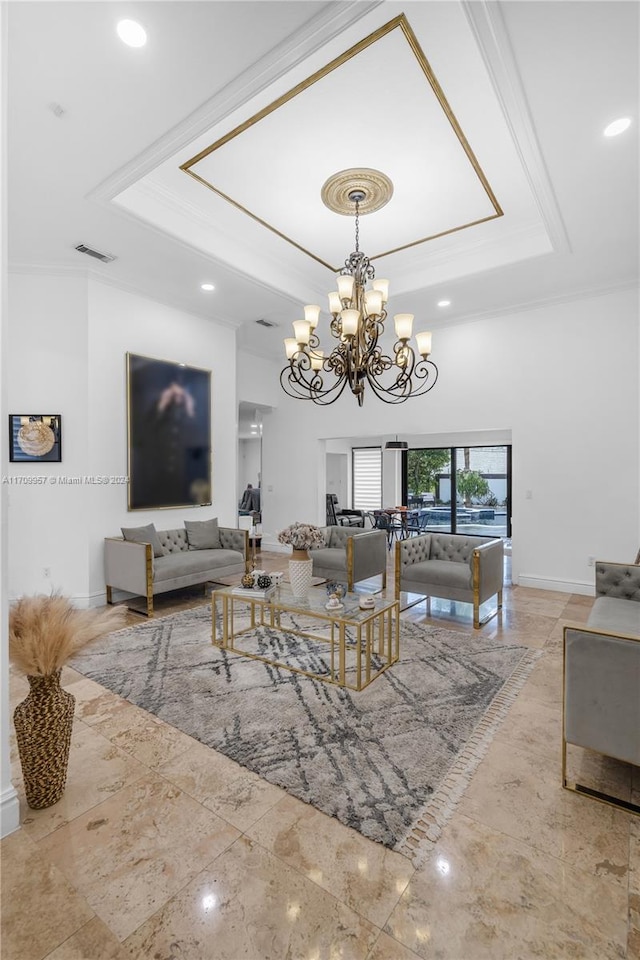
(601, 696)
(452, 566)
(131, 566)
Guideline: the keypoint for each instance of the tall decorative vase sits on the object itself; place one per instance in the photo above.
(300, 573)
(43, 723)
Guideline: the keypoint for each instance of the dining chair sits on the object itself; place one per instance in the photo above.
(417, 522)
(382, 520)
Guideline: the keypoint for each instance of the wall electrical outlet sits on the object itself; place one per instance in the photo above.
(47, 571)
(591, 561)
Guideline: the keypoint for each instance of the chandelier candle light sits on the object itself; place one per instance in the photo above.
(358, 319)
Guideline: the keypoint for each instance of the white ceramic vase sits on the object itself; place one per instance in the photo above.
(300, 573)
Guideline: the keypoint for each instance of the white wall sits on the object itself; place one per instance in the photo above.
(121, 322)
(48, 373)
(9, 807)
(563, 380)
(68, 338)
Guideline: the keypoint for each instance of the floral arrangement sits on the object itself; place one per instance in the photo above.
(302, 536)
(46, 631)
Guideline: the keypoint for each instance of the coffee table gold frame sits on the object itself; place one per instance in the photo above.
(374, 633)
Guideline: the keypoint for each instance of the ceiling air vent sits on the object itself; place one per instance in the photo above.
(105, 257)
(266, 323)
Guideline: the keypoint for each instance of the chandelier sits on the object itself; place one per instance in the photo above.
(358, 316)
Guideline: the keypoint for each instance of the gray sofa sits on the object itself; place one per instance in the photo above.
(601, 696)
(131, 565)
(351, 554)
(452, 566)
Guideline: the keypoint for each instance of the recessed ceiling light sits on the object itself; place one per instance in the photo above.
(444, 303)
(618, 126)
(132, 33)
(207, 286)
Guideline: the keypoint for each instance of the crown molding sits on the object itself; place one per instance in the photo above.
(585, 293)
(48, 269)
(327, 24)
(468, 247)
(490, 32)
(139, 290)
(64, 271)
(161, 194)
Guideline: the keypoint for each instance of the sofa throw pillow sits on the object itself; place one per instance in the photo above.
(147, 534)
(203, 534)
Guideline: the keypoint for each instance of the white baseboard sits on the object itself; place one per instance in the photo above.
(82, 602)
(9, 812)
(561, 586)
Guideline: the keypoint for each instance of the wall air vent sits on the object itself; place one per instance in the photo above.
(266, 323)
(105, 257)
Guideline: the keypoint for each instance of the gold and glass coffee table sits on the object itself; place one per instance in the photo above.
(349, 646)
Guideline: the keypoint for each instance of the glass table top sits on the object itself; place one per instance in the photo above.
(315, 602)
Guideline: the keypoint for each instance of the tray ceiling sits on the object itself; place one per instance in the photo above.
(408, 95)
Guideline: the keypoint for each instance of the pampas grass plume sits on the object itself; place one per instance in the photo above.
(46, 631)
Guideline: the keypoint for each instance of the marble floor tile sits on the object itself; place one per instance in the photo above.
(523, 871)
(249, 905)
(555, 640)
(520, 793)
(143, 735)
(582, 599)
(82, 688)
(576, 612)
(111, 714)
(520, 593)
(527, 603)
(533, 726)
(40, 907)
(386, 948)
(94, 941)
(528, 629)
(131, 853)
(96, 770)
(486, 896)
(545, 680)
(231, 791)
(367, 876)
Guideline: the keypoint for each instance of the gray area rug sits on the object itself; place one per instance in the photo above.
(377, 760)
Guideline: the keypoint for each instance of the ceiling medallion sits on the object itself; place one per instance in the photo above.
(358, 318)
(376, 189)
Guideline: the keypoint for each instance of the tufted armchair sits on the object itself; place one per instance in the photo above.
(351, 554)
(601, 697)
(452, 566)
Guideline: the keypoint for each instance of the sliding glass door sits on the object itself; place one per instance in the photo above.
(460, 489)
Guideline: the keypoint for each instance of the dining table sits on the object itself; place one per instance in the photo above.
(401, 514)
